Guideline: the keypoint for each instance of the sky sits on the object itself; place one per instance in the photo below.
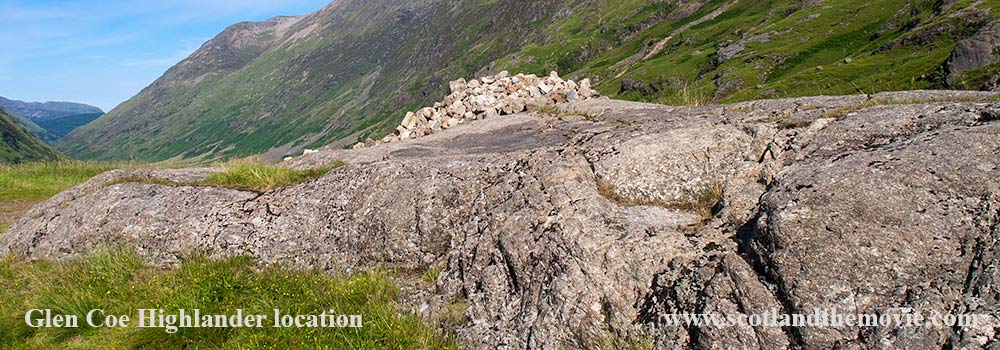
(104, 52)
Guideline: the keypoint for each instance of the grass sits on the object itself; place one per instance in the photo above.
(23, 185)
(604, 339)
(453, 314)
(41, 180)
(431, 275)
(257, 176)
(247, 175)
(120, 284)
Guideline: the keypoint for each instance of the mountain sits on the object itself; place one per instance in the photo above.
(47, 110)
(50, 121)
(348, 71)
(57, 128)
(18, 145)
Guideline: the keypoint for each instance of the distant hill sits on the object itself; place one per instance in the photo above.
(349, 70)
(48, 110)
(50, 121)
(17, 145)
(57, 128)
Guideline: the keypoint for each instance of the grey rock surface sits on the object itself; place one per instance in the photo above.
(594, 222)
(978, 51)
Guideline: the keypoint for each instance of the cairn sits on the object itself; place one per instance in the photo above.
(487, 97)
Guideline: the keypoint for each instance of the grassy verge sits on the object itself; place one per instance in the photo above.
(120, 283)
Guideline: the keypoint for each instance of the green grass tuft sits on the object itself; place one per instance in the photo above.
(120, 283)
(259, 177)
(431, 275)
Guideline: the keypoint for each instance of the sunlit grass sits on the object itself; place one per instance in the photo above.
(120, 283)
(261, 177)
(41, 180)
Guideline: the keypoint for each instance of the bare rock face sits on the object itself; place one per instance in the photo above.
(596, 222)
(976, 52)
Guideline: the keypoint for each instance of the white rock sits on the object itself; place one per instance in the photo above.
(425, 112)
(458, 85)
(584, 88)
(491, 113)
(544, 88)
(309, 151)
(458, 108)
(409, 121)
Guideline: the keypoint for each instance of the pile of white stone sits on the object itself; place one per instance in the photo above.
(487, 97)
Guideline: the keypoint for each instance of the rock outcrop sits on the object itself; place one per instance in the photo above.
(585, 226)
(976, 52)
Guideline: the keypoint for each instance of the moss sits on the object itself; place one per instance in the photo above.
(453, 315)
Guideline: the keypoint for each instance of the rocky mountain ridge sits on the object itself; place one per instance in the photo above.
(583, 226)
(50, 121)
(48, 110)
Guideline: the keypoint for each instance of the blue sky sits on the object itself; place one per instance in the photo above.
(104, 52)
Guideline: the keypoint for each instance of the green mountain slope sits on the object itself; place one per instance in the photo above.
(32, 127)
(17, 145)
(347, 71)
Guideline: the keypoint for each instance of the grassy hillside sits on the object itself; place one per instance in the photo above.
(32, 127)
(18, 145)
(347, 71)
